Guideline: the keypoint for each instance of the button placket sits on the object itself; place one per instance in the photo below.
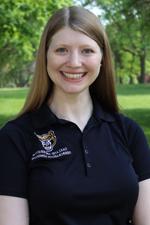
(88, 162)
(86, 151)
(89, 165)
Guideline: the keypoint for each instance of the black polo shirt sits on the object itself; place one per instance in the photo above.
(71, 177)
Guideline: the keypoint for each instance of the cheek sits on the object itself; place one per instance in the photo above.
(51, 67)
(94, 64)
(54, 63)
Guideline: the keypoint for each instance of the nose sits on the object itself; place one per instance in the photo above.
(74, 59)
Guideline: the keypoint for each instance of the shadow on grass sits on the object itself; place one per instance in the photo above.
(13, 93)
(140, 89)
(142, 117)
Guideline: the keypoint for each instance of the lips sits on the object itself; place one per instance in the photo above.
(73, 75)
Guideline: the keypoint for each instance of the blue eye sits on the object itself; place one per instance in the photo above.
(87, 51)
(61, 50)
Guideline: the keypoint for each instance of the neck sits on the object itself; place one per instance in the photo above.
(74, 108)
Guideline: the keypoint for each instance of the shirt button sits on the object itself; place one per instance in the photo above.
(89, 165)
(86, 151)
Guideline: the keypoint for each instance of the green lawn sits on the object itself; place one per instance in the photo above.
(134, 101)
(11, 101)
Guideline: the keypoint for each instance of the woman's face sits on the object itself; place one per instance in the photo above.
(73, 61)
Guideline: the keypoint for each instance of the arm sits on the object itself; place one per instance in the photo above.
(142, 209)
(13, 211)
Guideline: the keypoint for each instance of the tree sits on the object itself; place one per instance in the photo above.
(21, 24)
(127, 25)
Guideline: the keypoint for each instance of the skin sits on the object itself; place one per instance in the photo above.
(13, 211)
(141, 214)
(72, 52)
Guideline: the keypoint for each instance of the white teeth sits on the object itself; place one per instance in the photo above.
(74, 76)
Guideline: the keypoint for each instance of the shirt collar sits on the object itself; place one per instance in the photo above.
(100, 113)
(44, 116)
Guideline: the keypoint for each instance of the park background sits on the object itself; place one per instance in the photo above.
(127, 25)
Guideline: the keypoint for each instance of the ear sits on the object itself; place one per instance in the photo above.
(38, 136)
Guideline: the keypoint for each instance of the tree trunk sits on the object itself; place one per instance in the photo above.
(142, 66)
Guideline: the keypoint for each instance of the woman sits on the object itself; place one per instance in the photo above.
(70, 157)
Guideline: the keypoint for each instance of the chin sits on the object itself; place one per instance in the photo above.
(74, 92)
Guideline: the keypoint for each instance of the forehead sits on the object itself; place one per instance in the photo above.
(71, 37)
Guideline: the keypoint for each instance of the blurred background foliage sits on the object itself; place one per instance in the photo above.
(127, 25)
(21, 24)
(126, 22)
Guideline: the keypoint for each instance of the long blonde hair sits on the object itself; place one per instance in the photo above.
(82, 20)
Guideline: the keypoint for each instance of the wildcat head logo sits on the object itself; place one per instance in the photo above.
(47, 140)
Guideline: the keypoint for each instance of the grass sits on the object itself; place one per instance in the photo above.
(11, 101)
(134, 101)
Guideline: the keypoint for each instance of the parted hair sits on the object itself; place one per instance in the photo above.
(81, 20)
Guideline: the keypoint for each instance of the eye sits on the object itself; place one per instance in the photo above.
(87, 51)
(61, 50)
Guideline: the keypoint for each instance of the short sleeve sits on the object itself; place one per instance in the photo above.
(13, 162)
(139, 149)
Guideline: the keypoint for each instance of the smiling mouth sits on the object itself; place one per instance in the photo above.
(73, 75)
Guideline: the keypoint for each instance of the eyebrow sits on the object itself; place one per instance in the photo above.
(67, 45)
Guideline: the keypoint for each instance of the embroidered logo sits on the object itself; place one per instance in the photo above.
(47, 140)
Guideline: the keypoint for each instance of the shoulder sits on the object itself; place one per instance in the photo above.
(16, 135)
(131, 131)
(20, 125)
(129, 124)
(121, 125)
